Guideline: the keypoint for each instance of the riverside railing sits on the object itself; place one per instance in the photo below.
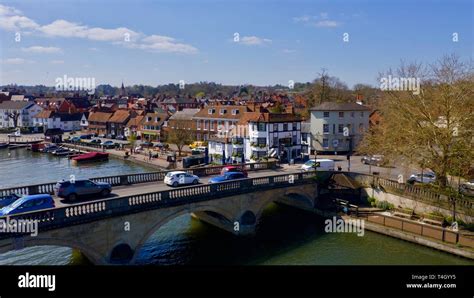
(413, 191)
(128, 179)
(105, 208)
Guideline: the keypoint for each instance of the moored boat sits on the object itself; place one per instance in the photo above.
(3, 145)
(90, 157)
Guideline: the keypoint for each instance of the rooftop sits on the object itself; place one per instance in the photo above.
(334, 106)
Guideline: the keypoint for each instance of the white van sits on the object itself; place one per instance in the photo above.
(324, 165)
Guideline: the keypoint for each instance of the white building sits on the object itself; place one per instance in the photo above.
(21, 112)
(259, 135)
(63, 121)
(338, 127)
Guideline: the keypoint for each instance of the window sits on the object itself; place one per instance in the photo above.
(206, 124)
(261, 126)
(341, 114)
(261, 141)
(295, 140)
(361, 127)
(325, 128)
(325, 143)
(275, 127)
(340, 128)
(352, 114)
(235, 112)
(222, 111)
(326, 114)
(210, 111)
(285, 126)
(275, 141)
(295, 126)
(198, 124)
(211, 124)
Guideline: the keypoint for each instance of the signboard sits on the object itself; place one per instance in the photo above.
(335, 143)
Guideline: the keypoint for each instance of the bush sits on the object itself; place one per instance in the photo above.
(372, 201)
(384, 205)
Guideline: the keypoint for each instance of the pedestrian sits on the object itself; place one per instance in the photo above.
(149, 154)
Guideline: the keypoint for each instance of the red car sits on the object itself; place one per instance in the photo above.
(234, 169)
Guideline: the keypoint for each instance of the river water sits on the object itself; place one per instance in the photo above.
(285, 236)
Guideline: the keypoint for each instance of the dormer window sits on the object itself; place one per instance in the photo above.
(222, 111)
(210, 111)
(235, 112)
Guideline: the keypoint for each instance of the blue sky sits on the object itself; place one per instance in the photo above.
(194, 40)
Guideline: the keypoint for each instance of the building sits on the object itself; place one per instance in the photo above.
(118, 122)
(18, 114)
(217, 118)
(306, 138)
(179, 103)
(152, 125)
(133, 127)
(271, 135)
(97, 122)
(183, 120)
(338, 127)
(49, 119)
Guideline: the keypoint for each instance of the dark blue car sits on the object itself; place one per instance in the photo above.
(7, 200)
(28, 203)
(227, 176)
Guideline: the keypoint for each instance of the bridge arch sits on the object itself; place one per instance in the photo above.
(227, 214)
(91, 254)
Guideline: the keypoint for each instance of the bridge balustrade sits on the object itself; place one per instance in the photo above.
(100, 209)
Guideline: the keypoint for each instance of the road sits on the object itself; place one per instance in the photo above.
(119, 191)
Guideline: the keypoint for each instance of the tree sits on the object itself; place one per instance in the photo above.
(179, 136)
(14, 116)
(132, 139)
(433, 129)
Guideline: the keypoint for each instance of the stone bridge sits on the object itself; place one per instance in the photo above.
(112, 231)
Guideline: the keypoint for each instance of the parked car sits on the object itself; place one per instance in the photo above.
(7, 200)
(319, 164)
(146, 144)
(108, 144)
(426, 178)
(101, 135)
(88, 136)
(235, 169)
(227, 177)
(122, 138)
(95, 141)
(375, 160)
(196, 144)
(72, 190)
(467, 188)
(28, 204)
(176, 178)
(76, 139)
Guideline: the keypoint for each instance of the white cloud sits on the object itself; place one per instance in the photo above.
(321, 20)
(16, 61)
(42, 50)
(12, 19)
(158, 43)
(254, 40)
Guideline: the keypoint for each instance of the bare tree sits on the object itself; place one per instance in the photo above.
(433, 129)
(14, 116)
